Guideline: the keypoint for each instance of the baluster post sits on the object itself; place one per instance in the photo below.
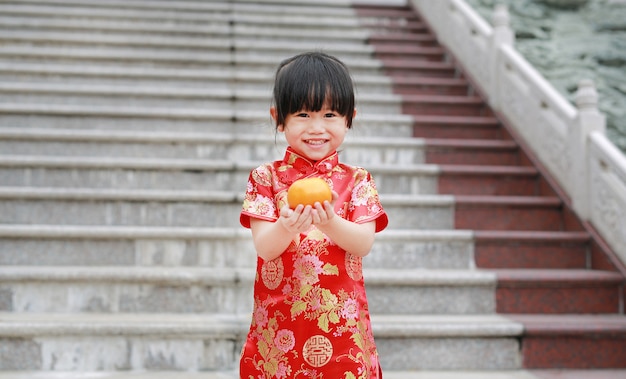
(588, 120)
(502, 35)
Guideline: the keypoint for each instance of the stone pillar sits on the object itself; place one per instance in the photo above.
(589, 120)
(502, 35)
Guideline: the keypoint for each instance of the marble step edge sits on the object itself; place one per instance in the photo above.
(163, 137)
(225, 197)
(224, 94)
(22, 325)
(167, 164)
(340, 6)
(220, 22)
(389, 374)
(263, 59)
(215, 40)
(223, 115)
(81, 232)
(232, 94)
(208, 276)
(95, 194)
(233, 76)
(180, 113)
(268, 61)
(287, 33)
(229, 16)
(189, 276)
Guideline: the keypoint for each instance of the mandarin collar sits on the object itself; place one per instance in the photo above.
(294, 166)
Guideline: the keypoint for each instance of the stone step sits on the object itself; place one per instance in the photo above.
(472, 152)
(394, 52)
(88, 342)
(541, 213)
(574, 342)
(389, 374)
(192, 10)
(483, 180)
(225, 290)
(448, 105)
(199, 146)
(181, 97)
(407, 67)
(196, 174)
(403, 39)
(186, 5)
(533, 250)
(84, 206)
(105, 342)
(239, 18)
(263, 60)
(558, 291)
(424, 85)
(457, 127)
(193, 22)
(94, 117)
(50, 245)
(224, 79)
(79, 289)
(511, 374)
(263, 147)
(158, 290)
(222, 41)
(170, 174)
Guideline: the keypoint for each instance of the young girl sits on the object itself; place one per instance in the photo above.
(311, 317)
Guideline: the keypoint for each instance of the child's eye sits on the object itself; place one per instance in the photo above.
(329, 115)
(302, 114)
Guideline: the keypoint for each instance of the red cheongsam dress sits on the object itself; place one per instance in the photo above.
(310, 317)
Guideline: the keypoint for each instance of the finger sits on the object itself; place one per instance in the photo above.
(320, 212)
(316, 215)
(286, 211)
(329, 208)
(297, 211)
(304, 217)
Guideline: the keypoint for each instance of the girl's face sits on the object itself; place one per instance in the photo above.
(314, 135)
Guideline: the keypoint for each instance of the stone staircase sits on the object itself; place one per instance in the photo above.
(128, 129)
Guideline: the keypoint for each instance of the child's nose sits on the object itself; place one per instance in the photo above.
(317, 124)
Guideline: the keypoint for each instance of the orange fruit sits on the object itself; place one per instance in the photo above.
(308, 191)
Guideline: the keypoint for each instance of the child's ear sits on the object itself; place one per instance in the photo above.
(353, 117)
(274, 115)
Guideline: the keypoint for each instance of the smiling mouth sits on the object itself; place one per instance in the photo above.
(316, 142)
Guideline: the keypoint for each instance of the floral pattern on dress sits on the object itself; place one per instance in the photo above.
(311, 317)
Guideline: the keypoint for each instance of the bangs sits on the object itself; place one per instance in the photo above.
(310, 82)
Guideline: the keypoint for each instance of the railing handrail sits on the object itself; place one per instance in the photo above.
(569, 140)
(548, 93)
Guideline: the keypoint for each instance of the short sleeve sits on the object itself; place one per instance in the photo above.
(365, 203)
(259, 198)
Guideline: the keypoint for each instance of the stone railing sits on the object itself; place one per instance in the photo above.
(568, 140)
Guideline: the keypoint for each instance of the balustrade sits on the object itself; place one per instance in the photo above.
(569, 140)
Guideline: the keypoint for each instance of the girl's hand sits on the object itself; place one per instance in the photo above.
(298, 220)
(322, 214)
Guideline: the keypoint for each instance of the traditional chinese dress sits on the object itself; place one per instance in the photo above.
(310, 317)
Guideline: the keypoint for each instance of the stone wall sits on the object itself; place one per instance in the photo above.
(570, 44)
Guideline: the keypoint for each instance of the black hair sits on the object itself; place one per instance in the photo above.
(310, 80)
